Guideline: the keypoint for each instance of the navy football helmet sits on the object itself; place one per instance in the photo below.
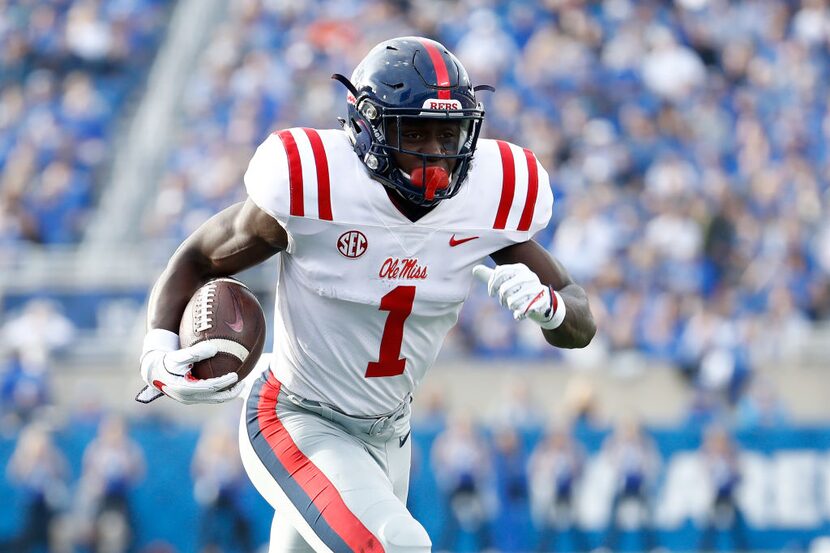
(412, 77)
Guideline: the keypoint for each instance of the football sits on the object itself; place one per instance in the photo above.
(225, 312)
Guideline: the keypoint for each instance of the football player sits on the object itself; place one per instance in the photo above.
(382, 227)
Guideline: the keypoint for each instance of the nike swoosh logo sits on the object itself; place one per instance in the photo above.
(458, 241)
(236, 326)
(402, 440)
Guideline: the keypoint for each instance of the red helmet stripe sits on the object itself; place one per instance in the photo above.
(441, 73)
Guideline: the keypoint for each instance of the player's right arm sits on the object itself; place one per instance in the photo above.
(233, 240)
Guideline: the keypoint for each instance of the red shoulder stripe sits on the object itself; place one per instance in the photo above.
(295, 173)
(508, 184)
(532, 190)
(321, 162)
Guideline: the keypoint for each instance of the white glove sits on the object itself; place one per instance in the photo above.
(166, 370)
(519, 289)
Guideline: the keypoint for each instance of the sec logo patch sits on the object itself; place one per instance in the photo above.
(352, 244)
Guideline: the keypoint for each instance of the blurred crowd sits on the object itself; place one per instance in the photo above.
(67, 68)
(60, 513)
(87, 505)
(685, 139)
(505, 489)
(686, 143)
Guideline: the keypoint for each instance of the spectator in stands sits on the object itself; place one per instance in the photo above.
(39, 468)
(24, 389)
(513, 531)
(635, 461)
(713, 347)
(518, 409)
(432, 410)
(219, 481)
(671, 70)
(113, 465)
(761, 407)
(38, 331)
(705, 408)
(28, 342)
(581, 405)
(554, 470)
(465, 480)
(722, 464)
(58, 204)
(720, 244)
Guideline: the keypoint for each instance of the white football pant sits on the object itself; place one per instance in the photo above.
(332, 489)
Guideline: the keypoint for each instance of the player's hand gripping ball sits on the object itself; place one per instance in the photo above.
(221, 337)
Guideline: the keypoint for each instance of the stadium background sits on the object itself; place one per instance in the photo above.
(687, 146)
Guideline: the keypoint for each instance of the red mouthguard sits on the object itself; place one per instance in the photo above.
(434, 178)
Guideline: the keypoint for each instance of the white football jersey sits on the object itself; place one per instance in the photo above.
(365, 297)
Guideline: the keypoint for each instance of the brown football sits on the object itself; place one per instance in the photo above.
(227, 313)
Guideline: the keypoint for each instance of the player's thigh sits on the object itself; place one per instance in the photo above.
(322, 479)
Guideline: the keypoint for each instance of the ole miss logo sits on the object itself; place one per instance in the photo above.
(352, 244)
(402, 268)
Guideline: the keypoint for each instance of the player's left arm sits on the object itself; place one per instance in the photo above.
(535, 285)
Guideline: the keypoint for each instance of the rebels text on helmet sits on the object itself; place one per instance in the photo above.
(445, 105)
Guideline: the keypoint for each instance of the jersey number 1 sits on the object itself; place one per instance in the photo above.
(399, 304)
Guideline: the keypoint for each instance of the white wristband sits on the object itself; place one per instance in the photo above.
(558, 311)
(158, 339)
